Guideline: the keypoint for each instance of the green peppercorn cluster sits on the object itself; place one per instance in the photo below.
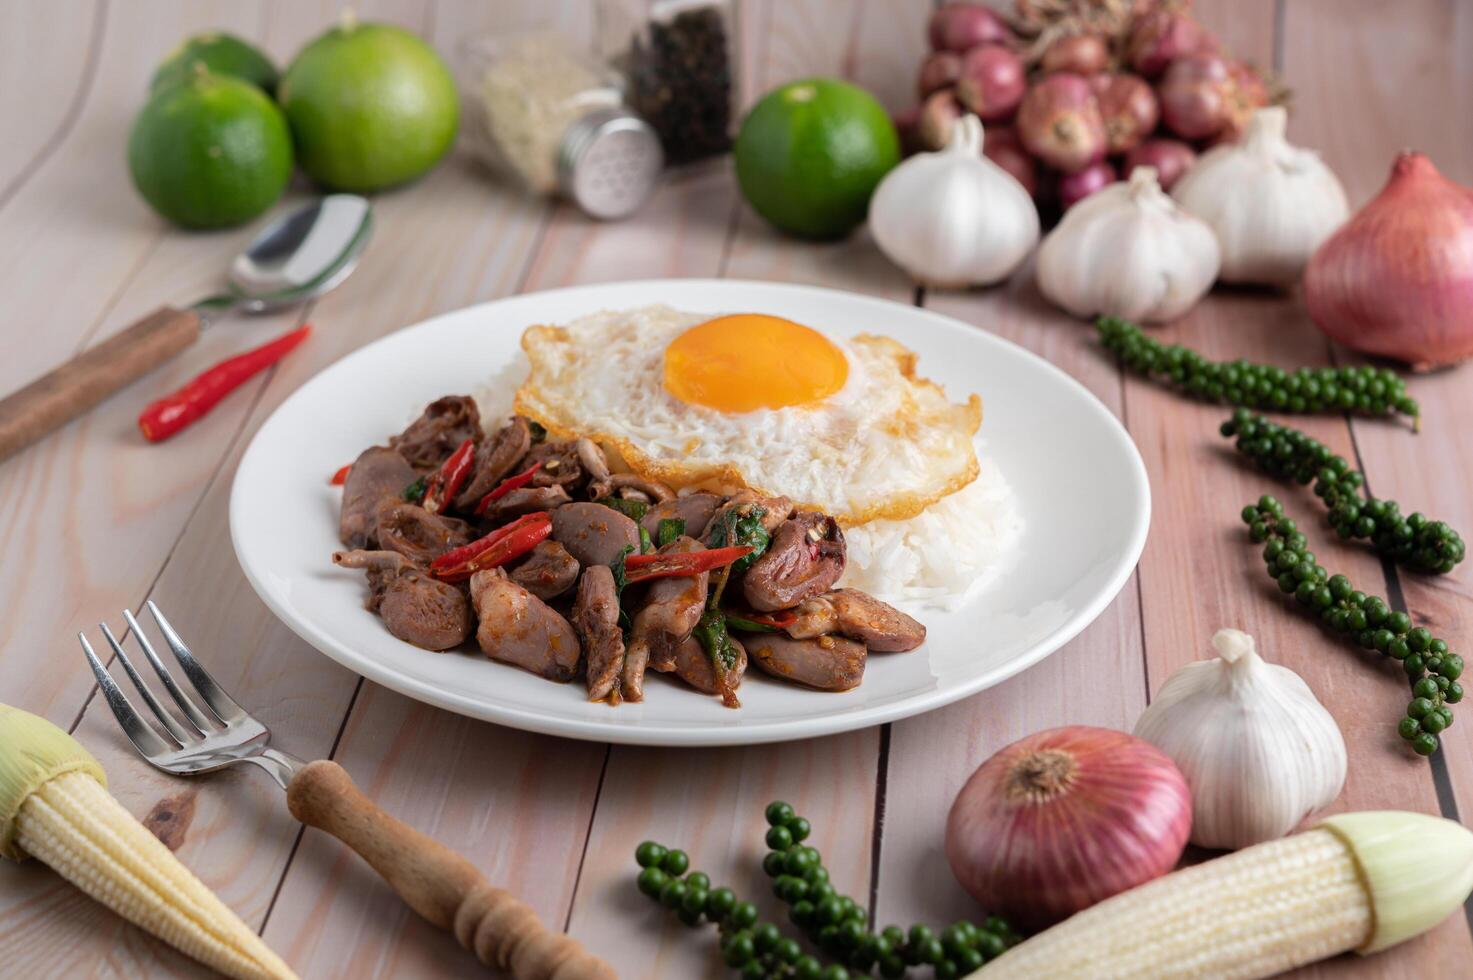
(839, 926)
(1365, 390)
(1413, 541)
(757, 950)
(1431, 669)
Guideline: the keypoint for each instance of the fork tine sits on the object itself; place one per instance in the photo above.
(191, 710)
(144, 738)
(175, 731)
(222, 704)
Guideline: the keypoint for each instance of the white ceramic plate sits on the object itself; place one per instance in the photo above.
(1080, 485)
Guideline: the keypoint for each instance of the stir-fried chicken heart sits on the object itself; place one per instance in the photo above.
(560, 463)
(596, 618)
(829, 663)
(592, 533)
(496, 459)
(805, 558)
(378, 475)
(695, 509)
(416, 608)
(547, 572)
(858, 615)
(518, 628)
(417, 534)
(527, 500)
(439, 431)
(672, 608)
(690, 663)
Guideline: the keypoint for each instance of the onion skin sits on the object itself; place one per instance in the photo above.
(1196, 95)
(1003, 148)
(960, 27)
(1129, 108)
(1075, 187)
(1059, 122)
(1120, 819)
(940, 70)
(1160, 37)
(991, 82)
(1083, 54)
(939, 114)
(1396, 280)
(1171, 158)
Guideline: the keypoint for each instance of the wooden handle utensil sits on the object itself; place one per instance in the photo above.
(439, 884)
(52, 401)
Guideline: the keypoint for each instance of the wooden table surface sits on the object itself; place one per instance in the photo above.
(93, 520)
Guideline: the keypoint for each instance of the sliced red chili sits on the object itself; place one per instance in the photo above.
(496, 548)
(746, 620)
(450, 477)
(507, 486)
(341, 476)
(638, 568)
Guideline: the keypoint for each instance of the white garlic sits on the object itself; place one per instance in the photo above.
(1127, 250)
(1258, 751)
(1271, 204)
(954, 218)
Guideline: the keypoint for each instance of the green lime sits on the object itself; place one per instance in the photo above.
(211, 151)
(370, 106)
(810, 154)
(222, 54)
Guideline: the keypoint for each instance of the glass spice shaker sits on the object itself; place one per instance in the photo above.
(547, 115)
(680, 61)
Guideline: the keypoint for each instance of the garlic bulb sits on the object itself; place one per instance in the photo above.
(1128, 251)
(1271, 204)
(954, 218)
(1258, 751)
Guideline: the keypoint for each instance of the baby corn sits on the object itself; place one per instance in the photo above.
(54, 807)
(1358, 881)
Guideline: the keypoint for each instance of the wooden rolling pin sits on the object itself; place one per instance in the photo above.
(439, 884)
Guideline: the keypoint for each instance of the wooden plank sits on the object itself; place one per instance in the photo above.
(1358, 121)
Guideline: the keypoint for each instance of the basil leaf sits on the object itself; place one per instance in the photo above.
(646, 546)
(748, 626)
(670, 529)
(415, 492)
(539, 432)
(632, 509)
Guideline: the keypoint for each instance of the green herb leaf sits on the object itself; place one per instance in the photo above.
(539, 432)
(712, 632)
(738, 529)
(748, 626)
(670, 529)
(621, 580)
(646, 545)
(632, 509)
(415, 492)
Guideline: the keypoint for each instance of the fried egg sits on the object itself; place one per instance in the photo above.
(751, 400)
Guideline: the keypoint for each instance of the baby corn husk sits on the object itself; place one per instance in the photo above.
(54, 807)
(1357, 881)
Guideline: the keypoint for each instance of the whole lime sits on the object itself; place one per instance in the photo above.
(810, 154)
(222, 54)
(370, 106)
(211, 151)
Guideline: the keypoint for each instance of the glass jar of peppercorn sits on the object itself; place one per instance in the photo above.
(679, 58)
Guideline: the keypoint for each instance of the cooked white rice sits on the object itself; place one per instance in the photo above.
(935, 559)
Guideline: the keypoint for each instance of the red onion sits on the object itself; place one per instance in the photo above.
(1000, 144)
(1060, 123)
(1129, 108)
(1066, 818)
(940, 70)
(1159, 37)
(939, 114)
(1171, 158)
(1397, 278)
(1077, 186)
(992, 82)
(907, 124)
(1195, 96)
(961, 26)
(1083, 54)
(1247, 93)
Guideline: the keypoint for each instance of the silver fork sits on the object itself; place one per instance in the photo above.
(436, 882)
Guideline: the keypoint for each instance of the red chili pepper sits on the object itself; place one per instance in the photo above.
(177, 411)
(496, 548)
(449, 478)
(341, 476)
(638, 568)
(776, 620)
(507, 486)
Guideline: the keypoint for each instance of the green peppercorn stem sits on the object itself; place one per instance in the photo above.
(1364, 390)
(1432, 670)
(1413, 541)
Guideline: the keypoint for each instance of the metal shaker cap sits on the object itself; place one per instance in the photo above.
(609, 162)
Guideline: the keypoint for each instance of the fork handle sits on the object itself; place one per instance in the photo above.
(55, 399)
(443, 887)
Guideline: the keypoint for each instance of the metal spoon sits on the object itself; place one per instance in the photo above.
(300, 255)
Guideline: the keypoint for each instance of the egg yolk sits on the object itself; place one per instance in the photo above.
(749, 361)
